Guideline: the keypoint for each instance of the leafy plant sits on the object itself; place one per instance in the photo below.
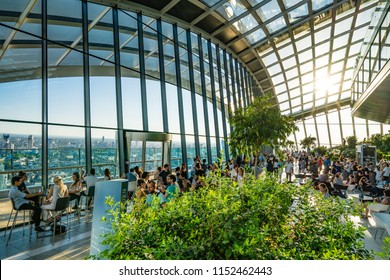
(321, 150)
(351, 142)
(308, 142)
(260, 123)
(385, 254)
(225, 221)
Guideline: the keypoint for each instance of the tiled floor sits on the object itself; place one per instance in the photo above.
(73, 245)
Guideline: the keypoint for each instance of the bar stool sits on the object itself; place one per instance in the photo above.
(62, 206)
(14, 221)
(90, 195)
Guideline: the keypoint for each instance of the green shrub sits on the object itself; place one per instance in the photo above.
(254, 221)
(385, 254)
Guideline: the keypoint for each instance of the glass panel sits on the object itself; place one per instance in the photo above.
(246, 23)
(12, 10)
(135, 154)
(169, 53)
(200, 114)
(231, 9)
(105, 151)
(276, 25)
(153, 155)
(131, 100)
(103, 94)
(343, 26)
(360, 128)
(66, 151)
(374, 127)
(255, 36)
(191, 153)
(298, 14)
(128, 38)
(64, 23)
(300, 133)
(290, 3)
(214, 155)
(100, 35)
(187, 109)
(322, 130)
(172, 109)
(66, 93)
(319, 4)
(346, 122)
(334, 126)
(153, 95)
(269, 10)
(176, 152)
(152, 66)
(210, 111)
(20, 84)
(20, 150)
(203, 147)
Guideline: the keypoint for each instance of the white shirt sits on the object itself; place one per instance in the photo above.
(386, 171)
(289, 167)
(90, 180)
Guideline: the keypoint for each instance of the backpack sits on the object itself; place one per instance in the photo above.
(59, 229)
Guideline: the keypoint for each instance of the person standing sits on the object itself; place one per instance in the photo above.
(90, 180)
(289, 169)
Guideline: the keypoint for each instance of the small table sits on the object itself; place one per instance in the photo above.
(382, 220)
(365, 198)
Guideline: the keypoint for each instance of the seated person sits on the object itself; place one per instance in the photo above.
(351, 180)
(324, 190)
(365, 186)
(154, 196)
(21, 202)
(324, 177)
(24, 189)
(338, 182)
(75, 189)
(141, 191)
(382, 183)
(58, 190)
(384, 201)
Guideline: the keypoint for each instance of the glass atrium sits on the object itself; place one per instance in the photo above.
(77, 75)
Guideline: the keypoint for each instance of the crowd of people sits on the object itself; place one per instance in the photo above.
(43, 204)
(161, 186)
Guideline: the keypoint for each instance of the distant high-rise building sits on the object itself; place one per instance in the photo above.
(51, 143)
(102, 139)
(30, 142)
(3, 177)
(6, 141)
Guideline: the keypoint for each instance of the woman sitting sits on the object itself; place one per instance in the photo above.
(338, 182)
(75, 189)
(59, 190)
(324, 190)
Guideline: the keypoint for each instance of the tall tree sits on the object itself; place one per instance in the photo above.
(261, 123)
(308, 142)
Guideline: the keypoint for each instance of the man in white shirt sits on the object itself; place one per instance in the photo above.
(90, 180)
(21, 203)
(289, 169)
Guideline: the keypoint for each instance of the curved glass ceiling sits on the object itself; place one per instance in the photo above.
(307, 48)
